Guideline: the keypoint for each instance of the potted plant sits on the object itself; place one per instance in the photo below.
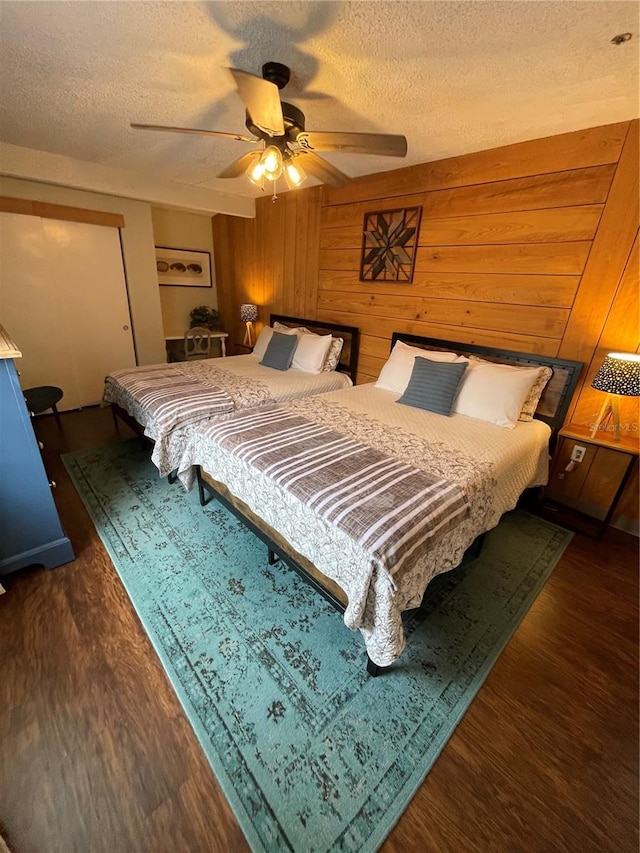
(205, 316)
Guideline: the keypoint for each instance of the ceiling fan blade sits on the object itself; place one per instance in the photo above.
(239, 166)
(355, 143)
(321, 168)
(196, 131)
(262, 100)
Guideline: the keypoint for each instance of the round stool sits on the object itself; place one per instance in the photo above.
(43, 397)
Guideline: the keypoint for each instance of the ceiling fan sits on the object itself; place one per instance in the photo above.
(288, 148)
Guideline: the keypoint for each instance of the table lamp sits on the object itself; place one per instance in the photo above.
(248, 315)
(619, 376)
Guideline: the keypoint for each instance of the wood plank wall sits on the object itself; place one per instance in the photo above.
(271, 260)
(531, 246)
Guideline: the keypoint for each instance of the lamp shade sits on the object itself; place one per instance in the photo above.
(249, 313)
(619, 374)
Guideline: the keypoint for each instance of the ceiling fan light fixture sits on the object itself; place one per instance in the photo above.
(294, 174)
(256, 175)
(272, 163)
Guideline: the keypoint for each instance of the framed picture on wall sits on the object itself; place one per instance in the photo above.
(389, 242)
(183, 268)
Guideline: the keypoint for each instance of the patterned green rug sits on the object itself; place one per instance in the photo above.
(312, 754)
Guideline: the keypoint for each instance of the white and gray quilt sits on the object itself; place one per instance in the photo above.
(163, 397)
(484, 467)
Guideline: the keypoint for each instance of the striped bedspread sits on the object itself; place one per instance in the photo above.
(169, 398)
(388, 506)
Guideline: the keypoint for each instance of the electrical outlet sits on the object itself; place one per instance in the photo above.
(577, 454)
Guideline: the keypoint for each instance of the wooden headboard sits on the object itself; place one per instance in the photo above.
(350, 335)
(556, 397)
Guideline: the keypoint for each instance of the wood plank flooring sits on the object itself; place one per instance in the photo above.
(96, 755)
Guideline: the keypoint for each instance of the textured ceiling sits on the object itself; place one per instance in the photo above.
(454, 77)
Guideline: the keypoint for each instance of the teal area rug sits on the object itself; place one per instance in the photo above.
(312, 754)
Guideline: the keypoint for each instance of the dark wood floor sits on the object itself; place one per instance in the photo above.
(96, 754)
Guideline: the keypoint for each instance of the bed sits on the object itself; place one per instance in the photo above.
(154, 399)
(457, 475)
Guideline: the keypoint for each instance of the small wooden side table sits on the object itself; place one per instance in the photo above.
(583, 494)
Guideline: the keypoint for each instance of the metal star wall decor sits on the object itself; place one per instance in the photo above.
(389, 242)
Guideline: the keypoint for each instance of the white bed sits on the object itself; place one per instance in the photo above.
(241, 382)
(488, 465)
(492, 465)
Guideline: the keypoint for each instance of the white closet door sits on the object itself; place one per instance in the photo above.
(30, 307)
(89, 273)
(63, 299)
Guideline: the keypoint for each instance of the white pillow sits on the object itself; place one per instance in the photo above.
(311, 352)
(494, 392)
(263, 341)
(532, 399)
(396, 373)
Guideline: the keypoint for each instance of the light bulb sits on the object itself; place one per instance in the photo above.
(271, 162)
(255, 173)
(294, 174)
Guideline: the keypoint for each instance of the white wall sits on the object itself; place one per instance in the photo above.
(179, 230)
(138, 252)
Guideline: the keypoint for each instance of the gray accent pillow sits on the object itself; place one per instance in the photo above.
(433, 385)
(279, 351)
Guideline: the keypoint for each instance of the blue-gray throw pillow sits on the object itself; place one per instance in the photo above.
(279, 351)
(433, 385)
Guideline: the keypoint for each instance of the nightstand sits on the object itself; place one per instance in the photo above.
(585, 496)
(242, 349)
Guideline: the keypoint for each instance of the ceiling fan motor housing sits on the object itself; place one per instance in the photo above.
(294, 124)
(276, 73)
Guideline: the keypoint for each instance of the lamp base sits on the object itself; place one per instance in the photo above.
(247, 342)
(610, 406)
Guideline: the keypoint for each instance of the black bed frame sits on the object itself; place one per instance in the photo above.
(276, 554)
(556, 397)
(552, 409)
(350, 334)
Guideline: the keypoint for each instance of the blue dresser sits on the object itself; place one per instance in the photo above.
(30, 530)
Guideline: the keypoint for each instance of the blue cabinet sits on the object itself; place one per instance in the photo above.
(30, 530)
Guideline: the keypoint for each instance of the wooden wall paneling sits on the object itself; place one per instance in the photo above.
(349, 237)
(551, 290)
(272, 218)
(307, 253)
(580, 149)
(292, 212)
(540, 258)
(311, 252)
(620, 333)
(607, 261)
(538, 321)
(527, 258)
(555, 225)
(234, 246)
(538, 192)
(300, 252)
(300, 240)
(572, 188)
(383, 327)
(341, 216)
